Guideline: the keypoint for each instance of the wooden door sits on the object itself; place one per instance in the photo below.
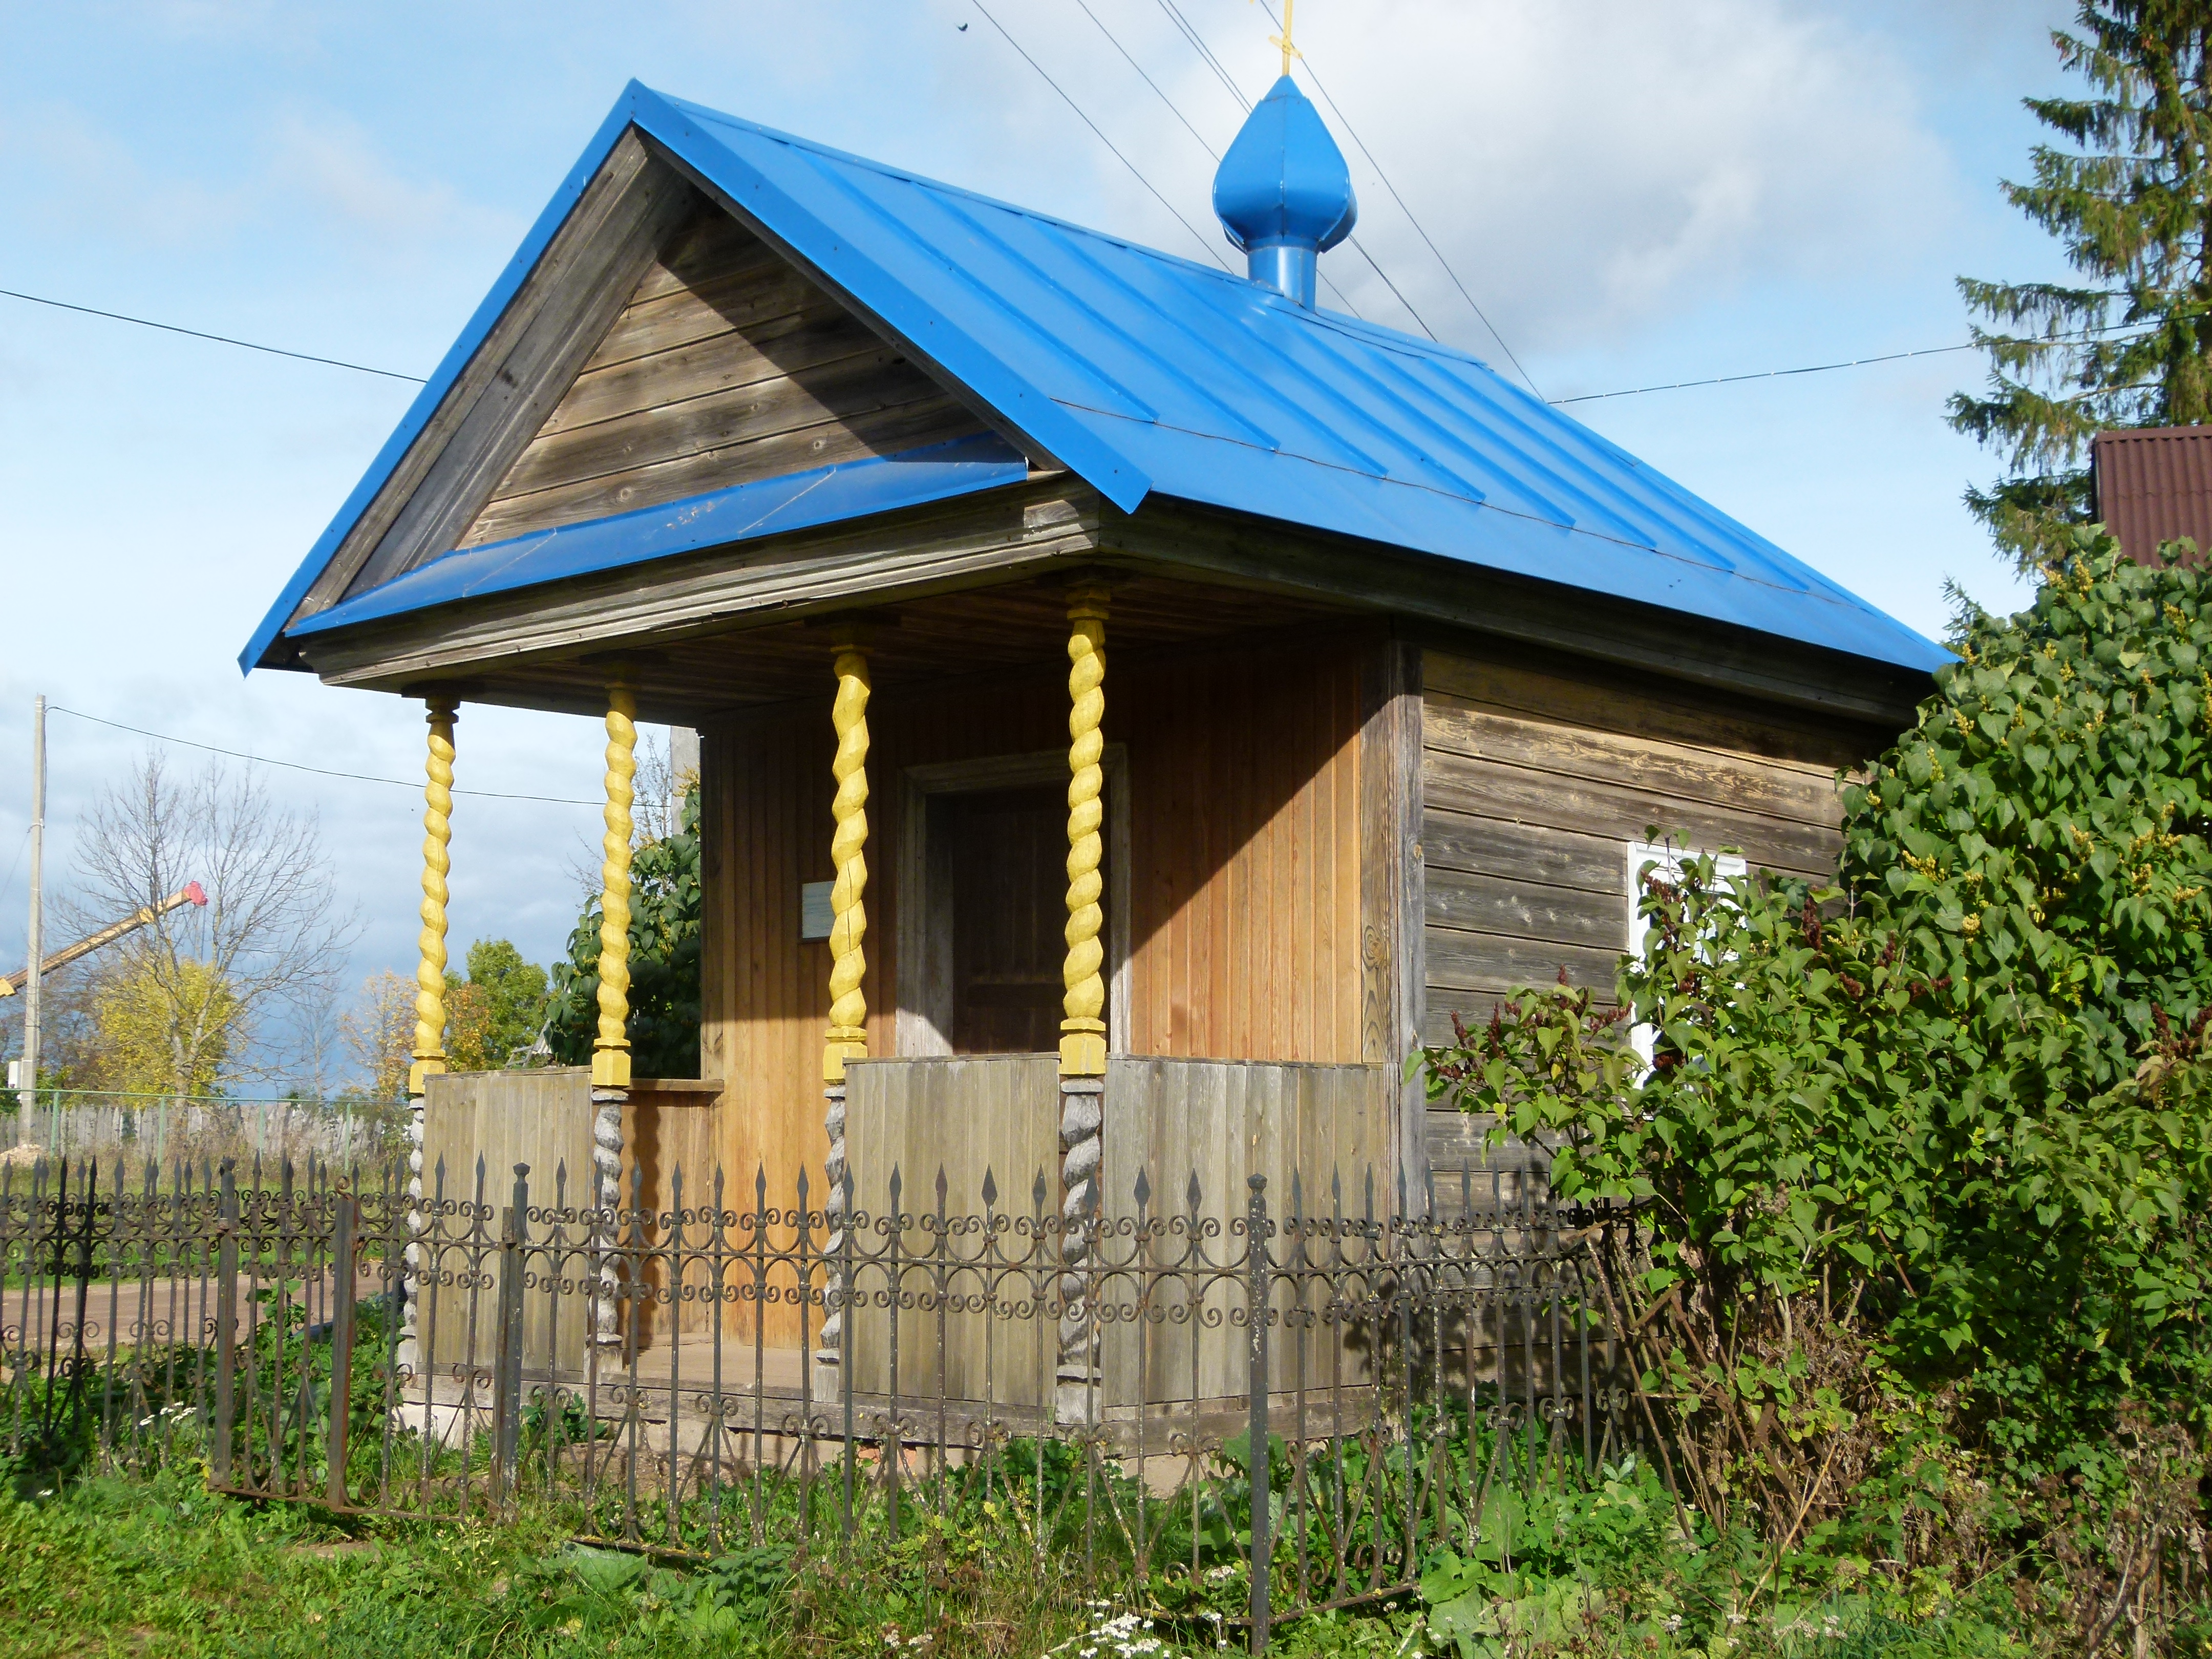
(1009, 913)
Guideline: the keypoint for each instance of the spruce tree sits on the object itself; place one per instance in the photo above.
(2129, 195)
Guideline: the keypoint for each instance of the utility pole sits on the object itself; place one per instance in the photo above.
(36, 929)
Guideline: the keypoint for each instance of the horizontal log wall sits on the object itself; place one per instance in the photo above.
(1536, 783)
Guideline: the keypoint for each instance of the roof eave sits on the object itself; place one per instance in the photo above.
(258, 650)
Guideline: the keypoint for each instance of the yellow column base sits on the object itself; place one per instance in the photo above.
(421, 1069)
(611, 1068)
(1082, 1048)
(845, 1043)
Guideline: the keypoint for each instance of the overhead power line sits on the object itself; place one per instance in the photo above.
(1102, 138)
(1580, 397)
(1148, 80)
(1266, 6)
(1362, 248)
(1762, 375)
(296, 766)
(220, 339)
(1341, 296)
(1822, 369)
(1205, 53)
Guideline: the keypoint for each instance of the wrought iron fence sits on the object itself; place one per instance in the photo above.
(1287, 1400)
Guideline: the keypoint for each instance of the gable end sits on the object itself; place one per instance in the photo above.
(500, 398)
(725, 365)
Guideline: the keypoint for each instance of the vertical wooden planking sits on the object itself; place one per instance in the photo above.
(540, 1118)
(1247, 885)
(968, 1113)
(718, 840)
(1392, 888)
(1409, 1142)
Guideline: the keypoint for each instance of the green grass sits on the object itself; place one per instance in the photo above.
(158, 1566)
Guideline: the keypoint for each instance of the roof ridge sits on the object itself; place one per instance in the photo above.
(1378, 333)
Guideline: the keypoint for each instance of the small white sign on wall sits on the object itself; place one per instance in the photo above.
(815, 915)
(1669, 860)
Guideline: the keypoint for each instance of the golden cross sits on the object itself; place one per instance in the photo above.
(1284, 39)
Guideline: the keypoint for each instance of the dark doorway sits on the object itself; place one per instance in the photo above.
(1008, 857)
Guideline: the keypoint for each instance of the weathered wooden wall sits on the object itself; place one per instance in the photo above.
(966, 1116)
(1535, 786)
(1537, 779)
(542, 1120)
(1244, 889)
(1319, 1134)
(725, 365)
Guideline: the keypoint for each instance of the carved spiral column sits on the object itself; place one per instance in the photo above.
(1082, 1029)
(848, 1036)
(429, 1052)
(611, 1050)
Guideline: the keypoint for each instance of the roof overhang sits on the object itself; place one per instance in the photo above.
(1142, 375)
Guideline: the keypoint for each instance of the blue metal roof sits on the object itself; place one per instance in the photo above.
(1145, 373)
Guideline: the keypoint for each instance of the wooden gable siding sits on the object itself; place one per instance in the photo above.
(725, 365)
(1536, 784)
(1244, 888)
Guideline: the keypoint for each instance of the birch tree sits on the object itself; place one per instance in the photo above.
(212, 990)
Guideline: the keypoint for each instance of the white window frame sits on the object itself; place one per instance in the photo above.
(1670, 859)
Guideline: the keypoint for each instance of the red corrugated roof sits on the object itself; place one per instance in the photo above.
(2154, 485)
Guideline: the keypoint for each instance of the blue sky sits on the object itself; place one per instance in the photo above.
(1634, 194)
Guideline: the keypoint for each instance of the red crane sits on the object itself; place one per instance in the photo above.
(190, 893)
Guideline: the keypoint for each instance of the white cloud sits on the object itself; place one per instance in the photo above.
(1588, 168)
(77, 181)
(1610, 162)
(326, 164)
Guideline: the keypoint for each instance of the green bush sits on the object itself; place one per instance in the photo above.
(664, 963)
(1926, 1155)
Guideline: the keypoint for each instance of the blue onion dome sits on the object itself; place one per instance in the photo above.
(1284, 181)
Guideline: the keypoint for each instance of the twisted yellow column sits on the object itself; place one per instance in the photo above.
(429, 1056)
(848, 1036)
(1082, 1031)
(437, 836)
(611, 1052)
(848, 925)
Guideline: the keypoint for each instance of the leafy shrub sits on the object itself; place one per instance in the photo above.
(1927, 1152)
(664, 963)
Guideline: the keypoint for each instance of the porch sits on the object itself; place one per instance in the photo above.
(960, 1208)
